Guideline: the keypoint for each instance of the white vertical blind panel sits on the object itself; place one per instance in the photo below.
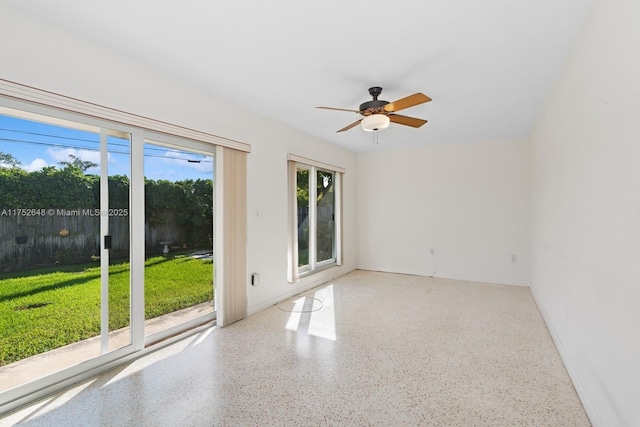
(233, 275)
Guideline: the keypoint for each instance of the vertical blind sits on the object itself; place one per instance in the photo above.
(231, 226)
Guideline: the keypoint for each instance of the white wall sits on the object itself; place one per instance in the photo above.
(46, 57)
(469, 202)
(586, 213)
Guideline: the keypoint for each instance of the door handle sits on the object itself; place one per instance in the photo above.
(107, 242)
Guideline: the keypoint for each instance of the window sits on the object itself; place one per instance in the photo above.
(315, 216)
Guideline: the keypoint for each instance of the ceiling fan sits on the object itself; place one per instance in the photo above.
(377, 113)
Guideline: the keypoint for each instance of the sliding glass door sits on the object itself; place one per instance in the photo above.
(65, 288)
(106, 243)
(107, 239)
(179, 270)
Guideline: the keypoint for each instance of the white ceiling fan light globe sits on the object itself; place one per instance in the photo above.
(375, 122)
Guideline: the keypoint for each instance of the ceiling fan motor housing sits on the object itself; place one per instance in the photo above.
(372, 107)
(375, 106)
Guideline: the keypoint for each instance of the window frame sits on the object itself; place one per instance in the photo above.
(295, 272)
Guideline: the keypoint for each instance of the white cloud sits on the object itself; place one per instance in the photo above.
(35, 165)
(62, 155)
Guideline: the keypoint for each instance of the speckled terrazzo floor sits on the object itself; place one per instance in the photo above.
(369, 349)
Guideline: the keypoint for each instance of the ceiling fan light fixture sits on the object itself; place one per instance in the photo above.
(375, 122)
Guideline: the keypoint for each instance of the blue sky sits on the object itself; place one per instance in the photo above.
(37, 145)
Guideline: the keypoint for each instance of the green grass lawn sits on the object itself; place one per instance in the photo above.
(53, 307)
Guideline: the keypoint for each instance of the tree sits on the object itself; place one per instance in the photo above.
(324, 184)
(9, 160)
(76, 162)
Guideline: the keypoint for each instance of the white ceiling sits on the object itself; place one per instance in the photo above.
(488, 65)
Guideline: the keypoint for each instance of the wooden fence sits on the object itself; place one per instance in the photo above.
(39, 241)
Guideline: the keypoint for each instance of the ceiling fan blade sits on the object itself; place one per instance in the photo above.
(406, 120)
(409, 101)
(354, 124)
(338, 109)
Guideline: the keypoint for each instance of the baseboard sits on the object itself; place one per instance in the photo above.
(582, 394)
(490, 280)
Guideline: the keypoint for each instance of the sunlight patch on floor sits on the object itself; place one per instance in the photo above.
(313, 312)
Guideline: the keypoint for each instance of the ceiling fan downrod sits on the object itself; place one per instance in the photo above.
(375, 92)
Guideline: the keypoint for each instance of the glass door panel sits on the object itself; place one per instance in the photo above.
(179, 215)
(325, 216)
(117, 328)
(304, 236)
(61, 296)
